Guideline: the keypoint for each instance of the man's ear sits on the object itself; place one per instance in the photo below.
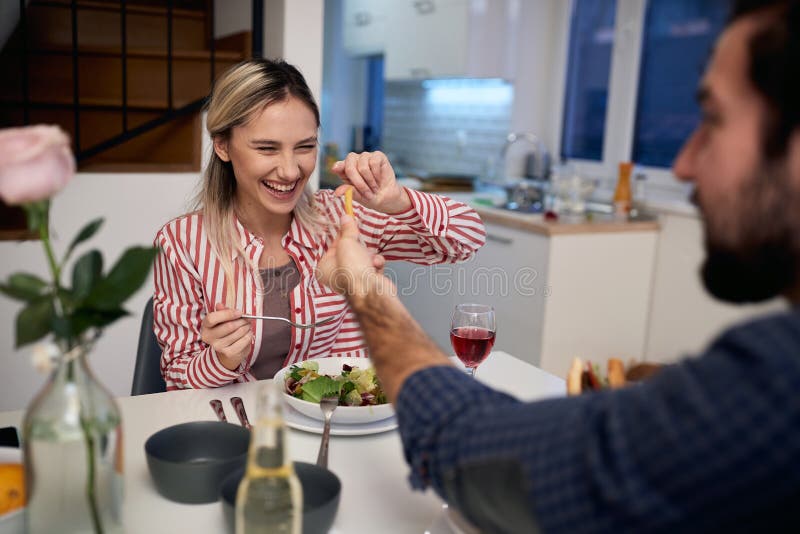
(221, 148)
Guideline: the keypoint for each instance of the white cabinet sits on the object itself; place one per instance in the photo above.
(509, 273)
(556, 297)
(684, 317)
(365, 26)
(451, 38)
(599, 293)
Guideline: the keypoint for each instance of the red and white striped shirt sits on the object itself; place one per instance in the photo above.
(189, 280)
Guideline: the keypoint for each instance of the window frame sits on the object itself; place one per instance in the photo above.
(623, 92)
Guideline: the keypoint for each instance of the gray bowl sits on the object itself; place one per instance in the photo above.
(189, 461)
(321, 492)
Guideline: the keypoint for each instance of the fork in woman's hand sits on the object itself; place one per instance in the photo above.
(302, 326)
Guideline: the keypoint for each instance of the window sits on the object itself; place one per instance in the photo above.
(631, 72)
(589, 66)
(678, 37)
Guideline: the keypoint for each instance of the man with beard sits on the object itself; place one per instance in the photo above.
(710, 444)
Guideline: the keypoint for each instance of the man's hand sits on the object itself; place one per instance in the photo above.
(374, 182)
(348, 267)
(398, 346)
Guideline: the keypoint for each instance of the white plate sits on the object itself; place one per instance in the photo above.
(298, 421)
(343, 414)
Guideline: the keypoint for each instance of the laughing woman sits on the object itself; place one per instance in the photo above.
(254, 242)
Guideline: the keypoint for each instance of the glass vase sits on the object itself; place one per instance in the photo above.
(72, 438)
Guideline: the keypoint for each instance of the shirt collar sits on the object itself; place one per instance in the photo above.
(246, 237)
(301, 235)
(296, 233)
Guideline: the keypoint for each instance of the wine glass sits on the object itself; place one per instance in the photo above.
(472, 332)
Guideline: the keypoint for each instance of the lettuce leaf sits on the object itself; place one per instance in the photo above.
(322, 386)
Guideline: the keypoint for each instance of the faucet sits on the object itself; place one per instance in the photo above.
(533, 139)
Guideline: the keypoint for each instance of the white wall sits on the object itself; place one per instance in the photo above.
(232, 16)
(299, 40)
(539, 49)
(134, 206)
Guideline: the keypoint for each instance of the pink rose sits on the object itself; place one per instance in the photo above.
(35, 163)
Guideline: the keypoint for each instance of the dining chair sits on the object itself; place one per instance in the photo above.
(147, 371)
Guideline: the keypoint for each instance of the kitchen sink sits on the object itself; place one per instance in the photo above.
(595, 211)
(538, 207)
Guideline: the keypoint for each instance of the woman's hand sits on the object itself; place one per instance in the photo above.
(373, 180)
(228, 334)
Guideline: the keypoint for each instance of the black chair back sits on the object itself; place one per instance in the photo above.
(147, 373)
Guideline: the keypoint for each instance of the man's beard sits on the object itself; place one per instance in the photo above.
(764, 261)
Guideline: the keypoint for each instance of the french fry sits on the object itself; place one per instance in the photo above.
(348, 201)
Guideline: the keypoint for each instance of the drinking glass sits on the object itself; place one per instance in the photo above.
(472, 333)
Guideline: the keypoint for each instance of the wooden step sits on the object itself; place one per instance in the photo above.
(52, 27)
(181, 8)
(100, 79)
(13, 224)
(177, 142)
(152, 53)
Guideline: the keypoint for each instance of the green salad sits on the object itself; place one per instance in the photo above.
(354, 386)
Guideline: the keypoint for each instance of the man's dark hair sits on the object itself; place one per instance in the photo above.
(775, 67)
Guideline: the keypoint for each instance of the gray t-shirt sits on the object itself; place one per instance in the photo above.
(276, 339)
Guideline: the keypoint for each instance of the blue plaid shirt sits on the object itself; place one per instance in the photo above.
(710, 444)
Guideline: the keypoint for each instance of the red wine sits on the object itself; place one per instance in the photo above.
(472, 344)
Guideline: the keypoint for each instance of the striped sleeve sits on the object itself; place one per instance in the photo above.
(178, 311)
(435, 229)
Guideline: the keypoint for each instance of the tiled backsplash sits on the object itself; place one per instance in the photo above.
(446, 126)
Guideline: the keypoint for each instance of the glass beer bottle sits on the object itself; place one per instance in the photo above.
(269, 498)
(622, 193)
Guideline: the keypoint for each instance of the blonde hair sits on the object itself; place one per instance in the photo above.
(242, 91)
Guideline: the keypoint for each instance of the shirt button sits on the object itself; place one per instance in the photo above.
(297, 310)
(302, 258)
(441, 228)
(298, 346)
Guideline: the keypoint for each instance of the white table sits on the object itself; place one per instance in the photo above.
(375, 491)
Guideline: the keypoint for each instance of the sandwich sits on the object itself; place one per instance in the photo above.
(584, 376)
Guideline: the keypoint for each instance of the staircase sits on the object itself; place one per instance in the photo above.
(125, 78)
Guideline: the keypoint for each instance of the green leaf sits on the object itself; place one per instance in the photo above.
(62, 328)
(322, 386)
(127, 275)
(24, 287)
(85, 233)
(84, 318)
(35, 321)
(66, 297)
(85, 274)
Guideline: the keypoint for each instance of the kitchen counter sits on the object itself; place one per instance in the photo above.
(534, 222)
(486, 204)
